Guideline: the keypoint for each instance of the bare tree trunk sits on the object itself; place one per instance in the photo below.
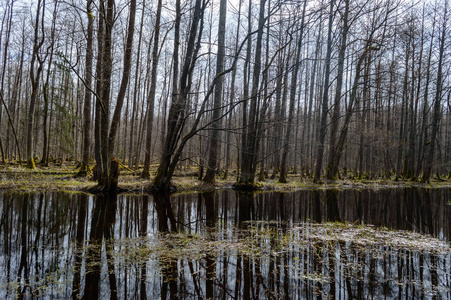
(125, 79)
(249, 151)
(437, 100)
(404, 114)
(278, 128)
(107, 169)
(325, 100)
(151, 97)
(293, 86)
(175, 143)
(214, 148)
(8, 13)
(263, 140)
(232, 98)
(84, 169)
(2, 87)
(422, 136)
(350, 108)
(34, 78)
(50, 48)
(332, 167)
(176, 117)
(414, 99)
(99, 82)
(136, 91)
(246, 75)
(309, 129)
(104, 80)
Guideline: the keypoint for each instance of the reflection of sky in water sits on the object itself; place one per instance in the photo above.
(39, 254)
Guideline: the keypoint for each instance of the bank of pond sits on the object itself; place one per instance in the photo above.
(309, 244)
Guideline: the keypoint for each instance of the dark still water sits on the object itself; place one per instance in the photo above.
(386, 244)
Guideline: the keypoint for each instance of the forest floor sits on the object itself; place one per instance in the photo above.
(13, 176)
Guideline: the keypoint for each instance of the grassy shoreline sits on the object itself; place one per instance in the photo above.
(64, 178)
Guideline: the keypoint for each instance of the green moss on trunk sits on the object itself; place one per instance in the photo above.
(31, 164)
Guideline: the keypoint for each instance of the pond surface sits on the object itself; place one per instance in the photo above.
(385, 244)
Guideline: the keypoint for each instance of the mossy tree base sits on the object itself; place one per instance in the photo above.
(30, 164)
(44, 162)
(225, 176)
(145, 174)
(209, 177)
(84, 171)
(107, 182)
(283, 178)
(161, 183)
(317, 181)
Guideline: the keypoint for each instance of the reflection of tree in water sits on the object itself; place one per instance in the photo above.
(31, 227)
(23, 267)
(167, 223)
(165, 214)
(238, 255)
(184, 277)
(79, 243)
(102, 221)
(324, 269)
(144, 209)
(211, 214)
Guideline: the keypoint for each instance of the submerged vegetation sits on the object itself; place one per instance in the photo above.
(252, 237)
(315, 255)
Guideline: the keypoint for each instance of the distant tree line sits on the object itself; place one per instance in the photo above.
(250, 88)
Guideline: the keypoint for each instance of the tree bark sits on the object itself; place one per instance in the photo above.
(34, 78)
(325, 100)
(249, 151)
(106, 178)
(214, 149)
(437, 101)
(232, 99)
(151, 97)
(332, 167)
(293, 86)
(50, 49)
(244, 109)
(84, 169)
(423, 136)
(125, 79)
(136, 91)
(177, 111)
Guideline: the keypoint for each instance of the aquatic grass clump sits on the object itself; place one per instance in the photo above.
(364, 236)
(261, 238)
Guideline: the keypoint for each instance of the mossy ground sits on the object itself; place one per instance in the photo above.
(64, 177)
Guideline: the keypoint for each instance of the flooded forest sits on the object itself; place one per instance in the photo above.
(250, 88)
(225, 149)
(227, 245)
